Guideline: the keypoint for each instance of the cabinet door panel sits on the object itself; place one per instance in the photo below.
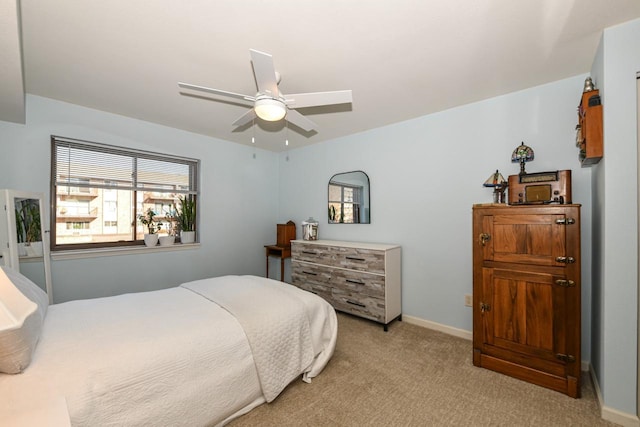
(524, 314)
(528, 239)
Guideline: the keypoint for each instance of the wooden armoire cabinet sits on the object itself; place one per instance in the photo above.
(526, 293)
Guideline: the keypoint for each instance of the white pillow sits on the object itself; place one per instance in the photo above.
(23, 306)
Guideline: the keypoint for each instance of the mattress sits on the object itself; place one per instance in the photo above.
(175, 356)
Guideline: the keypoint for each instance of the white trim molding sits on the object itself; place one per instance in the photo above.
(610, 414)
(461, 333)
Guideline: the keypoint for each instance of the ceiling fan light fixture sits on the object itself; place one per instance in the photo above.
(270, 109)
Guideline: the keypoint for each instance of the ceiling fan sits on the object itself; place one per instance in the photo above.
(269, 103)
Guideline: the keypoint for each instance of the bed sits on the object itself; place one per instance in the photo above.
(202, 353)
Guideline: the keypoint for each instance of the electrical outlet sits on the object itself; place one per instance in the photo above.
(468, 300)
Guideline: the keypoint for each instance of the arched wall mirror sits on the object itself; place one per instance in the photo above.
(349, 198)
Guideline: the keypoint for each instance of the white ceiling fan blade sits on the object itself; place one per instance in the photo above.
(247, 98)
(299, 120)
(265, 73)
(245, 118)
(315, 99)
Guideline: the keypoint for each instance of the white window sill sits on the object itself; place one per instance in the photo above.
(123, 250)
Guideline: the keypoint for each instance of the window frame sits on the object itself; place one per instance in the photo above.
(134, 188)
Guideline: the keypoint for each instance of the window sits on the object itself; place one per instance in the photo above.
(77, 225)
(99, 190)
(344, 203)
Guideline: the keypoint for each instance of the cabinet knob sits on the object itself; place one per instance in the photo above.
(484, 238)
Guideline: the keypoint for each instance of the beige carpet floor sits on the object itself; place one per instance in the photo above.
(412, 376)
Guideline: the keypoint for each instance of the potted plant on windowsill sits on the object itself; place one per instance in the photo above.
(170, 238)
(148, 219)
(186, 217)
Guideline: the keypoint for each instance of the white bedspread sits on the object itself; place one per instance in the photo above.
(286, 329)
(167, 357)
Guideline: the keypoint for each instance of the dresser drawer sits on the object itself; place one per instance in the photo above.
(368, 260)
(358, 304)
(311, 253)
(312, 278)
(357, 282)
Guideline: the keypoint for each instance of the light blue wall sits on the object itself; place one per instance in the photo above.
(238, 203)
(425, 176)
(615, 202)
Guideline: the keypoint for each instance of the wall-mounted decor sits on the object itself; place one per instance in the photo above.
(349, 198)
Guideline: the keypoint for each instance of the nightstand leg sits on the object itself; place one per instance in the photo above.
(282, 269)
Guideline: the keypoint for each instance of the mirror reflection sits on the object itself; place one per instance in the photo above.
(349, 200)
(29, 230)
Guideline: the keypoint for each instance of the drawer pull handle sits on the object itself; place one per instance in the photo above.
(352, 258)
(355, 303)
(356, 282)
(310, 273)
(308, 252)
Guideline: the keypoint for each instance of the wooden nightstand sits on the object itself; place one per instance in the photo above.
(282, 249)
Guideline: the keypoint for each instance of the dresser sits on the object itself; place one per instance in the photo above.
(363, 279)
(526, 293)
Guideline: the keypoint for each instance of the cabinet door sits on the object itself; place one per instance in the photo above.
(523, 315)
(524, 239)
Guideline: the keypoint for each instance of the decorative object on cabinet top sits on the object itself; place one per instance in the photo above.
(310, 229)
(522, 154)
(499, 184)
(540, 188)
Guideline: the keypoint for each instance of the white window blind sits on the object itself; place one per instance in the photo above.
(89, 164)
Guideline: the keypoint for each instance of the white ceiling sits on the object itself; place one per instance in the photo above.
(401, 58)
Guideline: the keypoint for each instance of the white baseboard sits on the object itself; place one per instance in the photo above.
(609, 414)
(438, 327)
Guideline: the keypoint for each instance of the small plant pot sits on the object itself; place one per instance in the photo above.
(187, 236)
(34, 249)
(167, 240)
(151, 240)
